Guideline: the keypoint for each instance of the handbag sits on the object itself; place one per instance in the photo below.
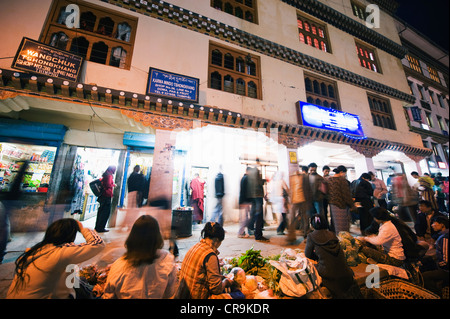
(96, 187)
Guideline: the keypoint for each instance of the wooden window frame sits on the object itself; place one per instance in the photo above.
(310, 32)
(312, 96)
(414, 63)
(359, 10)
(381, 112)
(240, 59)
(433, 74)
(241, 4)
(52, 26)
(364, 58)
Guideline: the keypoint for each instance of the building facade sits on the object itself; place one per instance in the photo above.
(426, 68)
(183, 87)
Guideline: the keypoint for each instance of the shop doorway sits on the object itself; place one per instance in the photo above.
(143, 158)
(90, 163)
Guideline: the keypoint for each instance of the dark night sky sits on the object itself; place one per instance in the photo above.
(430, 17)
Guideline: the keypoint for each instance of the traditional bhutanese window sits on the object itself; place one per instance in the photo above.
(243, 9)
(367, 57)
(359, 10)
(234, 71)
(381, 111)
(313, 33)
(104, 36)
(321, 91)
(414, 64)
(433, 74)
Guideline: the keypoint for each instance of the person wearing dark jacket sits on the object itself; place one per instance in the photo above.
(363, 195)
(105, 199)
(323, 245)
(219, 184)
(425, 218)
(244, 205)
(136, 186)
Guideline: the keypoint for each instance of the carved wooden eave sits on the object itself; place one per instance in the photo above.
(175, 115)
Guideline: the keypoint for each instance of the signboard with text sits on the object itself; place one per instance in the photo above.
(172, 85)
(329, 119)
(36, 57)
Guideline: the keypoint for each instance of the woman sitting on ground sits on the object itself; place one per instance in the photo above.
(388, 237)
(200, 276)
(42, 272)
(145, 271)
(323, 245)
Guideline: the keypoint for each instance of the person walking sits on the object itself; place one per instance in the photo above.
(426, 184)
(301, 203)
(256, 193)
(219, 185)
(340, 199)
(405, 197)
(316, 182)
(244, 205)
(380, 190)
(278, 198)
(326, 175)
(105, 199)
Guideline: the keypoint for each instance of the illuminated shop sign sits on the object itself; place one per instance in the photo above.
(172, 85)
(36, 57)
(329, 119)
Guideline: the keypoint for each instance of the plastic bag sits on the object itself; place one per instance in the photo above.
(299, 275)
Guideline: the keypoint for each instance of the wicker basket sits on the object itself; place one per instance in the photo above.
(398, 289)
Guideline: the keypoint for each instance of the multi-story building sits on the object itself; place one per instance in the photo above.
(183, 87)
(426, 68)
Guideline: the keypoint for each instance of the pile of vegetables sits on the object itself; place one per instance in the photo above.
(254, 264)
(351, 246)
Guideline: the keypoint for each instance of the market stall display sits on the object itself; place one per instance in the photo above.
(37, 176)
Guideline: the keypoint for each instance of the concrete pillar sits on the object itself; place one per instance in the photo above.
(292, 157)
(363, 165)
(162, 170)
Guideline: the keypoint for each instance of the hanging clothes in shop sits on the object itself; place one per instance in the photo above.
(197, 198)
(77, 186)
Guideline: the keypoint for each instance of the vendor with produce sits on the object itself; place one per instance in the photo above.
(200, 276)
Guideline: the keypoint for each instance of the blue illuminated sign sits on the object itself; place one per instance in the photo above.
(330, 119)
(172, 85)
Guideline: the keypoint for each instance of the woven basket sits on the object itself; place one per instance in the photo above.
(399, 289)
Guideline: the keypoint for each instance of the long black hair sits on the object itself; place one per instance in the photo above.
(143, 241)
(60, 232)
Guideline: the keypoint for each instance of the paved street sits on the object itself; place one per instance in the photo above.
(232, 246)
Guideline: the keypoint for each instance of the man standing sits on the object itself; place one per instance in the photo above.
(220, 192)
(380, 190)
(316, 181)
(136, 185)
(256, 193)
(105, 199)
(301, 201)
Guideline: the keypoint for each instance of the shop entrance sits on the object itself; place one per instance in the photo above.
(143, 158)
(90, 164)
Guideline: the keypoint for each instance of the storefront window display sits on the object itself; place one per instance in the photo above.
(90, 163)
(37, 176)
